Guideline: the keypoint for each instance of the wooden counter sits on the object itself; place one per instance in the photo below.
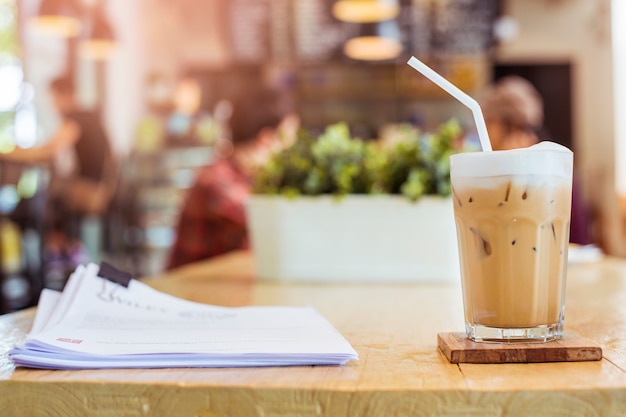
(400, 372)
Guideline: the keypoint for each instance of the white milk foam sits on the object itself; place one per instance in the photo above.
(542, 159)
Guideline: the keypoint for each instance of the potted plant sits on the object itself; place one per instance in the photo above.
(336, 208)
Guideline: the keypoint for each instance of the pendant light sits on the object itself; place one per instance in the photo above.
(379, 34)
(365, 11)
(376, 42)
(99, 40)
(58, 18)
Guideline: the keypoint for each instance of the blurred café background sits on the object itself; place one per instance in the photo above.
(158, 73)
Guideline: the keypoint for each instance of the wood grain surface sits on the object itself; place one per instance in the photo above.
(400, 371)
(457, 348)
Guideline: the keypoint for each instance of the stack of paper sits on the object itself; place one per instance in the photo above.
(97, 323)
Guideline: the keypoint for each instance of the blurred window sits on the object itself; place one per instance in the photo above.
(18, 122)
(618, 8)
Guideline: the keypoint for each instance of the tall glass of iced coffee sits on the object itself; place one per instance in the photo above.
(512, 212)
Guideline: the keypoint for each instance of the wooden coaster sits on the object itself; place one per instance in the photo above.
(572, 348)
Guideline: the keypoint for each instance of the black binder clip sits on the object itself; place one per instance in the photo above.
(113, 274)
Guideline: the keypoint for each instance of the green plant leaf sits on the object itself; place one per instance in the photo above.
(415, 164)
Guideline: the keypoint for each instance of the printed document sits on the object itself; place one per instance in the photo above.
(97, 323)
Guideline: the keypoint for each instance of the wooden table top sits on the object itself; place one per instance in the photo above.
(400, 372)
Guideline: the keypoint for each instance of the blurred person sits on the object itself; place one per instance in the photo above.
(187, 99)
(212, 220)
(513, 112)
(87, 189)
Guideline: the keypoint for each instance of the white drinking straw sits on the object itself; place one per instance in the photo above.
(455, 92)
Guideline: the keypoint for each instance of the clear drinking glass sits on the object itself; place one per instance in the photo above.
(512, 212)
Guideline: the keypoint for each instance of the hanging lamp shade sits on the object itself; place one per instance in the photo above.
(365, 11)
(58, 18)
(376, 42)
(99, 42)
(372, 48)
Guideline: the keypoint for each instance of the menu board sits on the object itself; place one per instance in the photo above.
(415, 21)
(463, 27)
(249, 30)
(304, 31)
(318, 36)
(282, 30)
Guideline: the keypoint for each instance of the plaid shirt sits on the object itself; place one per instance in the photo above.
(212, 220)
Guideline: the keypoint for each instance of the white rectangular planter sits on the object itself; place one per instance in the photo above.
(357, 238)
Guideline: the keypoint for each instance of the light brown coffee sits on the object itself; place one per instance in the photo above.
(513, 233)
